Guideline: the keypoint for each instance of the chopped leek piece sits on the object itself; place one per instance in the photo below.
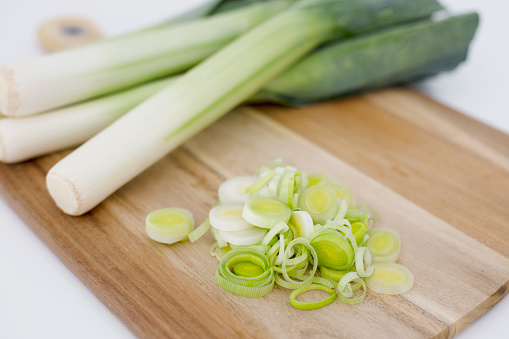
(221, 243)
(228, 218)
(363, 257)
(320, 202)
(390, 278)
(199, 231)
(252, 287)
(169, 225)
(233, 191)
(343, 208)
(331, 274)
(333, 251)
(342, 191)
(303, 223)
(384, 244)
(359, 230)
(260, 183)
(250, 236)
(280, 227)
(265, 212)
(247, 269)
(345, 290)
(311, 305)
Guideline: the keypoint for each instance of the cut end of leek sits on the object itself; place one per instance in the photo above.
(9, 97)
(65, 194)
(169, 225)
(390, 278)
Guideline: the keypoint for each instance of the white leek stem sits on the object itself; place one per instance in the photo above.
(32, 136)
(45, 83)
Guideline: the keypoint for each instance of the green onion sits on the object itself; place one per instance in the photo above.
(265, 212)
(58, 79)
(384, 244)
(390, 278)
(169, 225)
(315, 304)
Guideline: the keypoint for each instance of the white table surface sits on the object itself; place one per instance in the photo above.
(41, 298)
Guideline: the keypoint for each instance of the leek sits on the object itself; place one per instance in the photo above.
(73, 125)
(228, 218)
(390, 278)
(51, 81)
(81, 180)
(234, 190)
(384, 245)
(169, 225)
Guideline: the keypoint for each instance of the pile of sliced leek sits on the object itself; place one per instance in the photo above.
(302, 232)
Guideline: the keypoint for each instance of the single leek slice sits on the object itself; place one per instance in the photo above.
(342, 191)
(345, 291)
(250, 236)
(257, 286)
(384, 244)
(247, 269)
(221, 243)
(169, 225)
(233, 191)
(199, 231)
(390, 278)
(265, 212)
(359, 230)
(363, 257)
(320, 202)
(260, 183)
(333, 251)
(228, 218)
(303, 223)
(311, 305)
(317, 179)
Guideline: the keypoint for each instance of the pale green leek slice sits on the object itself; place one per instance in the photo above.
(311, 305)
(359, 231)
(295, 242)
(265, 212)
(257, 286)
(342, 191)
(345, 291)
(303, 223)
(334, 275)
(343, 208)
(250, 236)
(333, 251)
(169, 225)
(260, 183)
(320, 202)
(363, 262)
(199, 231)
(280, 227)
(384, 244)
(228, 218)
(390, 278)
(233, 190)
(247, 269)
(220, 241)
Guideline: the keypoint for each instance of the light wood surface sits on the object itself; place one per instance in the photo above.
(436, 177)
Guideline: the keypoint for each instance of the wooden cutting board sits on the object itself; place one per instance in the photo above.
(435, 176)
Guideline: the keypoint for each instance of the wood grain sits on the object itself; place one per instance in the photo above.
(439, 179)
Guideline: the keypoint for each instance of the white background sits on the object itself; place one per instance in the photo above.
(41, 298)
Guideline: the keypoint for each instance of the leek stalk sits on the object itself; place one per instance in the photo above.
(71, 126)
(51, 81)
(140, 138)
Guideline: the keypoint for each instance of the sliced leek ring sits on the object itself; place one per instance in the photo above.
(384, 244)
(169, 225)
(333, 251)
(265, 212)
(320, 202)
(228, 218)
(303, 223)
(363, 262)
(233, 191)
(390, 278)
(311, 305)
(342, 191)
(359, 231)
(345, 290)
(250, 236)
(199, 231)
